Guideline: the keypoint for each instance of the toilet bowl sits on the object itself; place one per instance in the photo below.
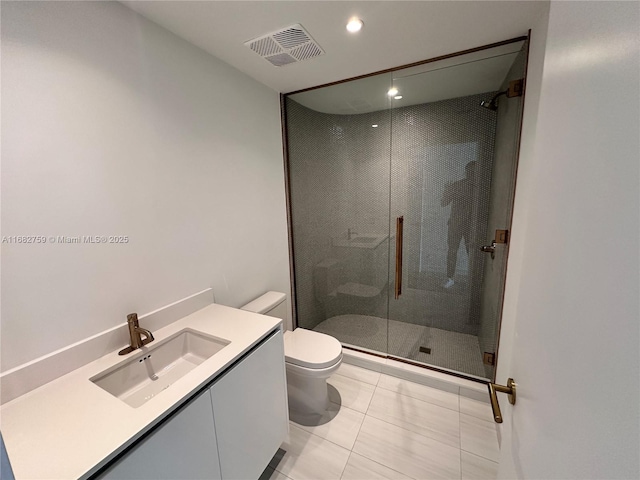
(310, 359)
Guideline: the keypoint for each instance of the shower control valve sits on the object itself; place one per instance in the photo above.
(490, 249)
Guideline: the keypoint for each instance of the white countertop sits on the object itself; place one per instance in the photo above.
(70, 427)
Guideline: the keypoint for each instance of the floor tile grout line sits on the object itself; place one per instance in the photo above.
(371, 401)
(358, 379)
(426, 401)
(419, 399)
(418, 433)
(355, 366)
(421, 434)
(358, 435)
(331, 441)
(411, 431)
(353, 380)
(285, 476)
(347, 462)
(478, 455)
(348, 408)
(382, 464)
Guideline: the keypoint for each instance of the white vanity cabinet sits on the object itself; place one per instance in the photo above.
(250, 411)
(182, 447)
(229, 431)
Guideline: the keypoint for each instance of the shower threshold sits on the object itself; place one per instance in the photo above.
(450, 352)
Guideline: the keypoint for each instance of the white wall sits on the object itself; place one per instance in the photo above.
(571, 331)
(524, 193)
(112, 125)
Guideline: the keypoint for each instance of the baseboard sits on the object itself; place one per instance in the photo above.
(33, 374)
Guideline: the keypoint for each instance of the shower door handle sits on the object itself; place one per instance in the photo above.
(399, 229)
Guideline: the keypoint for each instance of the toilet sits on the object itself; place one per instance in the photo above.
(310, 358)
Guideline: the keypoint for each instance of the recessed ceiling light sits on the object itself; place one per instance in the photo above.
(398, 97)
(354, 25)
(393, 91)
(375, 125)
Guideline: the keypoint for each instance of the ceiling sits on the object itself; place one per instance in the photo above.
(395, 32)
(461, 76)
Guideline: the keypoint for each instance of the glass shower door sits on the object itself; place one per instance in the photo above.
(434, 145)
(452, 180)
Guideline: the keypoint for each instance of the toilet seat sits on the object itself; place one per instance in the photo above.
(312, 350)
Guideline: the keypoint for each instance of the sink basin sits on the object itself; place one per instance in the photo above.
(154, 369)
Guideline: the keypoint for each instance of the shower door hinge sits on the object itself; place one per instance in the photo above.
(489, 358)
(502, 236)
(516, 88)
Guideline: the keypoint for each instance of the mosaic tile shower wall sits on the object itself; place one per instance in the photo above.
(431, 163)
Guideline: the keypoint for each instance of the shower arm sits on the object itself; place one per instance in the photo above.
(495, 97)
(515, 89)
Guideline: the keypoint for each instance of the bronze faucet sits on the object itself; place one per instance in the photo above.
(134, 333)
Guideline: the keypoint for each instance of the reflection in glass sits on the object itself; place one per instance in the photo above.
(459, 195)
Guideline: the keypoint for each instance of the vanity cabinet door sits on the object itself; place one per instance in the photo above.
(184, 447)
(250, 411)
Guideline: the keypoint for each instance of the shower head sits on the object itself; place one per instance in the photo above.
(493, 103)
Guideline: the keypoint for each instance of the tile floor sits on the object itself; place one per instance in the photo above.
(383, 427)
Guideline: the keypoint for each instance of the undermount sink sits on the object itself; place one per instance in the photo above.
(154, 369)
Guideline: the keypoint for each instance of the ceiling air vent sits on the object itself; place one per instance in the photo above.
(289, 45)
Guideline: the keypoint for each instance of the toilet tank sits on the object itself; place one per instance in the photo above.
(271, 303)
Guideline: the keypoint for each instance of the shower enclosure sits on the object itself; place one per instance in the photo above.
(400, 189)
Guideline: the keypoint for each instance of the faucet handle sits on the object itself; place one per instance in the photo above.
(133, 318)
(148, 335)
